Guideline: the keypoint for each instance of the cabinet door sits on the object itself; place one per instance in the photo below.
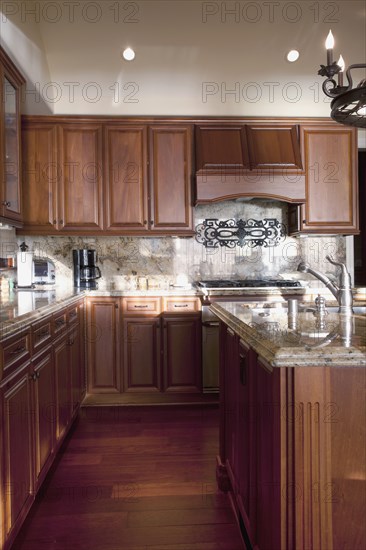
(270, 494)
(17, 442)
(80, 193)
(170, 178)
(182, 353)
(103, 345)
(230, 368)
(63, 385)
(41, 174)
(246, 462)
(221, 148)
(10, 181)
(142, 348)
(77, 368)
(274, 147)
(125, 178)
(331, 181)
(44, 412)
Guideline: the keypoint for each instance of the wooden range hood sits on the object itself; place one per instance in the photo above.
(249, 160)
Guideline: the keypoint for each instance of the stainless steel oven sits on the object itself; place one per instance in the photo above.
(227, 290)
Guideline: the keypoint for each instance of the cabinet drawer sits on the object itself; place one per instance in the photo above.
(73, 314)
(141, 306)
(15, 351)
(59, 322)
(41, 334)
(181, 304)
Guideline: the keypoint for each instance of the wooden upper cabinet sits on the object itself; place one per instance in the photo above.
(331, 182)
(170, 178)
(221, 148)
(40, 176)
(126, 198)
(247, 147)
(134, 176)
(248, 160)
(11, 81)
(274, 147)
(62, 177)
(81, 177)
(80, 192)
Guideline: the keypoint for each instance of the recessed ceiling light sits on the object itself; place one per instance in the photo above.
(293, 55)
(128, 54)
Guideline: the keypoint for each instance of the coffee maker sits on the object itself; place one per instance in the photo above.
(86, 272)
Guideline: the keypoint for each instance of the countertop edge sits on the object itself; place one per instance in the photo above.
(19, 324)
(277, 356)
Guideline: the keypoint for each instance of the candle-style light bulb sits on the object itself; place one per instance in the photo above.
(342, 65)
(329, 44)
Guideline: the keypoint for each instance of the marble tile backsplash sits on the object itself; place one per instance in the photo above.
(164, 259)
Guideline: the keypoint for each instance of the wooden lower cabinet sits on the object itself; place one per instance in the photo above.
(63, 384)
(44, 411)
(239, 427)
(292, 451)
(156, 350)
(77, 356)
(182, 352)
(17, 484)
(41, 389)
(103, 345)
(142, 354)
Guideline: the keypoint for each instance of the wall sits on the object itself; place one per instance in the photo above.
(123, 259)
(21, 38)
(193, 57)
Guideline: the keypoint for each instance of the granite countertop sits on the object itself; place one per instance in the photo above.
(171, 291)
(19, 308)
(283, 341)
(22, 307)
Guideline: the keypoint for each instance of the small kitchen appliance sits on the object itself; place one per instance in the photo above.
(86, 272)
(32, 271)
(24, 267)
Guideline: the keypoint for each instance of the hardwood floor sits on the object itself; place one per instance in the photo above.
(134, 479)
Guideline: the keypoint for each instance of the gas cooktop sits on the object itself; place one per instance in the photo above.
(247, 283)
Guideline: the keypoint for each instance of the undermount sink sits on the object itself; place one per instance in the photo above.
(357, 310)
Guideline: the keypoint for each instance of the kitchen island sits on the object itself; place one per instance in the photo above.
(292, 429)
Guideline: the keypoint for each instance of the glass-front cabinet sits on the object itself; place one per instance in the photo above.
(11, 81)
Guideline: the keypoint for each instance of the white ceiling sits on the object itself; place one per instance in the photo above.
(192, 57)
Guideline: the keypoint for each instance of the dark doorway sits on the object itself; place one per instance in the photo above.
(360, 240)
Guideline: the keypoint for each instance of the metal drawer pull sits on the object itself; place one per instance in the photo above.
(19, 349)
(44, 332)
(60, 322)
(141, 307)
(181, 305)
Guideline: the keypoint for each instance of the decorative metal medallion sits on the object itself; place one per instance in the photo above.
(213, 233)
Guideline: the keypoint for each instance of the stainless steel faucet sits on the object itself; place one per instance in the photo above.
(342, 292)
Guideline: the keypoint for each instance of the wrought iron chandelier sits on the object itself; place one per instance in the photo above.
(349, 104)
